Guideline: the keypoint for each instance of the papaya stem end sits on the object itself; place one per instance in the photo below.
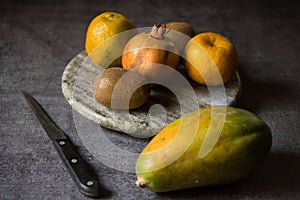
(140, 183)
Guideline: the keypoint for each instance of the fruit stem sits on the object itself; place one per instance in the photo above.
(140, 183)
(158, 31)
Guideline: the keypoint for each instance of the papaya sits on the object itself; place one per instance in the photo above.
(211, 146)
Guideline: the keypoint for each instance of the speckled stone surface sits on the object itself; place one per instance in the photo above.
(39, 38)
(78, 89)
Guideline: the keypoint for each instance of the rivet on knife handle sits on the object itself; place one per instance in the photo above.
(77, 167)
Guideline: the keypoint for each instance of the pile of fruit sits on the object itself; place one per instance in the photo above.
(173, 159)
(112, 41)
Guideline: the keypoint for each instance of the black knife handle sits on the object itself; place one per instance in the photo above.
(78, 168)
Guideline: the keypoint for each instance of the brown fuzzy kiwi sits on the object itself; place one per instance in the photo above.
(176, 29)
(111, 87)
(181, 27)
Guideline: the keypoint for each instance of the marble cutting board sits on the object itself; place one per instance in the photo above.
(162, 108)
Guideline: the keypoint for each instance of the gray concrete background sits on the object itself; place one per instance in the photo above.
(38, 39)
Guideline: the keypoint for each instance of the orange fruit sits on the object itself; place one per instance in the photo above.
(104, 43)
(210, 59)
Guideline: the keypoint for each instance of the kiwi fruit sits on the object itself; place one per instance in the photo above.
(176, 29)
(182, 27)
(113, 88)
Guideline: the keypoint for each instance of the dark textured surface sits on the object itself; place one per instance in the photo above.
(37, 40)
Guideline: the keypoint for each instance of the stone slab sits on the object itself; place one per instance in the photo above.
(162, 107)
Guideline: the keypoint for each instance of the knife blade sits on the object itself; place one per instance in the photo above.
(79, 170)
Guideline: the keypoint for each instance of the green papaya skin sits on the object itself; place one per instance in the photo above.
(173, 161)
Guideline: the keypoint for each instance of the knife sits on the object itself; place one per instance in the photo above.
(77, 167)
